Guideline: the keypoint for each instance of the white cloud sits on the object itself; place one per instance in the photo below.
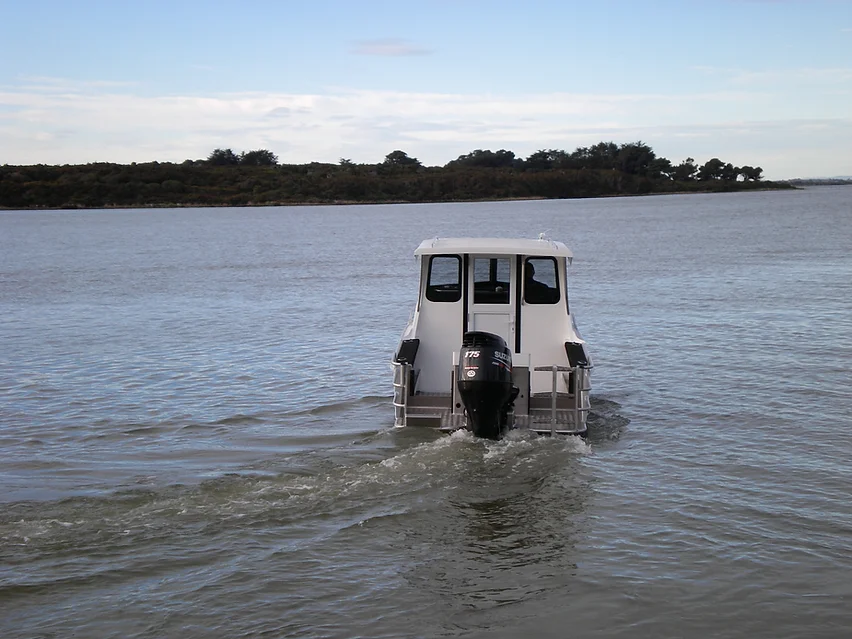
(50, 84)
(775, 77)
(392, 47)
(76, 123)
(841, 75)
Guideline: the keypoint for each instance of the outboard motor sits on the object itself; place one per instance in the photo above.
(485, 383)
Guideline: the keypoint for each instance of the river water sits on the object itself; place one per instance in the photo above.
(196, 428)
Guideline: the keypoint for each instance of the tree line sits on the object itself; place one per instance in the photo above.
(257, 178)
(635, 158)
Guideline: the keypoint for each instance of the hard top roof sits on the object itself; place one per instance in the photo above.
(493, 246)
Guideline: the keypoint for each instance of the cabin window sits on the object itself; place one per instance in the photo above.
(444, 284)
(567, 306)
(541, 281)
(491, 277)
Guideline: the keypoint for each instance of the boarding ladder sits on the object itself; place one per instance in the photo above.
(401, 380)
(581, 389)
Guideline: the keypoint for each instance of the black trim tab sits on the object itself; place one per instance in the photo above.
(576, 354)
(407, 351)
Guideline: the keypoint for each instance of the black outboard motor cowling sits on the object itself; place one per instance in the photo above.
(485, 383)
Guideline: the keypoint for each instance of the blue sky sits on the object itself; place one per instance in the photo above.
(757, 82)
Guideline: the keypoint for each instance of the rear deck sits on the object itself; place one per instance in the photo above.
(551, 413)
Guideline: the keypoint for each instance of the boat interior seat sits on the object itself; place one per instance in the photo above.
(492, 292)
(443, 293)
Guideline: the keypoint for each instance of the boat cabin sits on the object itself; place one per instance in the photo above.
(515, 289)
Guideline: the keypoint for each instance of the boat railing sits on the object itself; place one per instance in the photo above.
(581, 389)
(577, 380)
(401, 380)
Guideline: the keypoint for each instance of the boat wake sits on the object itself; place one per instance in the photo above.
(605, 422)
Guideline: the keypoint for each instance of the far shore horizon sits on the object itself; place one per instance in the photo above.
(343, 203)
(256, 178)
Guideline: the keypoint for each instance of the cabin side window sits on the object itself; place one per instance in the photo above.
(567, 306)
(541, 280)
(444, 283)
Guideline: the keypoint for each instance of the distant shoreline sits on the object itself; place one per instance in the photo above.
(190, 205)
(202, 184)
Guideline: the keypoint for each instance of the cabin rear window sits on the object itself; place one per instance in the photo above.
(491, 278)
(541, 281)
(444, 283)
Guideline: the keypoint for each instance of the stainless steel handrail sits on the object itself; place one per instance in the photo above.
(400, 392)
(578, 390)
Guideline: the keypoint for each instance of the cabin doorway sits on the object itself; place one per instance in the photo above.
(492, 296)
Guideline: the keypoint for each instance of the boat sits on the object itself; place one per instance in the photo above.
(492, 344)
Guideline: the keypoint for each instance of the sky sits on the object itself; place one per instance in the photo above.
(753, 82)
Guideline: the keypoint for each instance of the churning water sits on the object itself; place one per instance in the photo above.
(196, 431)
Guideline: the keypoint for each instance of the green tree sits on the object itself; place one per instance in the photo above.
(712, 169)
(685, 171)
(603, 155)
(260, 157)
(223, 157)
(400, 158)
(487, 158)
(661, 168)
(730, 172)
(546, 159)
(634, 158)
(751, 173)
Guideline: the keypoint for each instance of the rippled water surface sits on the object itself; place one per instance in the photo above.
(196, 431)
